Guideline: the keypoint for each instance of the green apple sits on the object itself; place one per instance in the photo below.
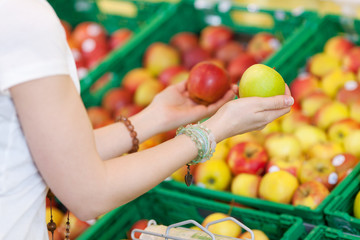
(260, 80)
(357, 205)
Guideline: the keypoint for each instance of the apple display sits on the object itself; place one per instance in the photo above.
(352, 60)
(119, 38)
(278, 186)
(325, 150)
(313, 102)
(283, 145)
(207, 83)
(213, 174)
(194, 56)
(322, 64)
(285, 163)
(344, 164)
(116, 98)
(225, 228)
(260, 80)
(330, 113)
(184, 41)
(262, 45)
(237, 66)
(245, 184)
(258, 234)
(310, 194)
(213, 37)
(303, 85)
(320, 170)
(159, 56)
(166, 76)
(308, 135)
(338, 47)
(229, 51)
(349, 93)
(340, 129)
(135, 77)
(293, 120)
(332, 82)
(352, 143)
(247, 157)
(146, 92)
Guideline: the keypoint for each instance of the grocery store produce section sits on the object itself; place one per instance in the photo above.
(298, 178)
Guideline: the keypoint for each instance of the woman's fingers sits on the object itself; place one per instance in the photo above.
(276, 102)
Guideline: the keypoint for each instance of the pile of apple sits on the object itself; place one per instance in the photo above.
(90, 43)
(299, 158)
(167, 64)
(226, 228)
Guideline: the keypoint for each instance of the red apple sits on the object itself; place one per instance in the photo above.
(352, 60)
(78, 57)
(310, 194)
(93, 51)
(140, 224)
(338, 46)
(159, 56)
(213, 37)
(101, 82)
(77, 227)
(344, 164)
(238, 66)
(207, 83)
(166, 75)
(349, 93)
(88, 30)
(128, 110)
(194, 56)
(262, 45)
(116, 98)
(119, 38)
(229, 51)
(247, 157)
(98, 116)
(303, 85)
(184, 41)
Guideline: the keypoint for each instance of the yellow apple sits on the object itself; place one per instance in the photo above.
(245, 184)
(293, 120)
(283, 144)
(221, 150)
(254, 136)
(309, 135)
(321, 64)
(340, 129)
(147, 90)
(357, 205)
(259, 235)
(320, 170)
(286, 163)
(278, 186)
(313, 102)
(213, 174)
(355, 110)
(352, 143)
(226, 228)
(325, 150)
(332, 82)
(338, 47)
(330, 113)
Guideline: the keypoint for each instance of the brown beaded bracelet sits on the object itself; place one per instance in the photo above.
(133, 134)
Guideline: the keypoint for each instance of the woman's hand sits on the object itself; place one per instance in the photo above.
(248, 114)
(174, 108)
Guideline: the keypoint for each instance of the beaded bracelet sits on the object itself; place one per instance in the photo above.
(203, 138)
(133, 134)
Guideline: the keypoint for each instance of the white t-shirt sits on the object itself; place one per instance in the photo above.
(32, 45)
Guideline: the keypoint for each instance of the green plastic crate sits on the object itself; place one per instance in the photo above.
(168, 207)
(339, 212)
(325, 233)
(184, 16)
(290, 63)
(109, 14)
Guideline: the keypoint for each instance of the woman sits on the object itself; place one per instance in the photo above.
(46, 139)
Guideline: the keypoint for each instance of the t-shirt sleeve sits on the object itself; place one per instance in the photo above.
(32, 43)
